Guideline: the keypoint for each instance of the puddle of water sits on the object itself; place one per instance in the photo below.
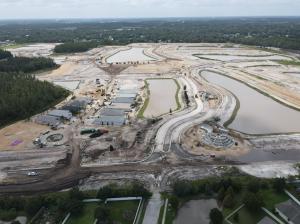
(134, 54)
(274, 155)
(258, 114)
(162, 97)
(195, 212)
(244, 58)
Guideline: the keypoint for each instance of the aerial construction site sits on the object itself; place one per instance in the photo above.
(156, 113)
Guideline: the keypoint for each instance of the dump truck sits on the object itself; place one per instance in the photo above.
(98, 133)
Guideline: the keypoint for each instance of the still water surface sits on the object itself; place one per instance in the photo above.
(258, 114)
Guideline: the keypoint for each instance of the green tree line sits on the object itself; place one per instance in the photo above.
(21, 94)
(74, 47)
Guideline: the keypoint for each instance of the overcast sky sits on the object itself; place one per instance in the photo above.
(12, 9)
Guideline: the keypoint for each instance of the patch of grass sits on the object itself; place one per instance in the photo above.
(161, 213)
(12, 46)
(144, 206)
(177, 95)
(145, 105)
(245, 217)
(123, 211)
(289, 62)
(271, 198)
(170, 215)
(87, 216)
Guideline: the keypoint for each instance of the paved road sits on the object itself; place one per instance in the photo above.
(153, 209)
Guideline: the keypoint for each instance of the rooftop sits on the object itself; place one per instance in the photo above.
(66, 114)
(290, 209)
(267, 220)
(110, 120)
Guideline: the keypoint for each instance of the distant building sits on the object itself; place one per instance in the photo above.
(77, 105)
(65, 114)
(48, 120)
(110, 120)
(129, 100)
(289, 211)
(111, 112)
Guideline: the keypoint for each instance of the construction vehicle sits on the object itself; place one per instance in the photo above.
(87, 131)
(98, 133)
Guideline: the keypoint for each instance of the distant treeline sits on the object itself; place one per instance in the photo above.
(74, 47)
(21, 94)
(266, 32)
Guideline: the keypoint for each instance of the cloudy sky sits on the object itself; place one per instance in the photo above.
(12, 9)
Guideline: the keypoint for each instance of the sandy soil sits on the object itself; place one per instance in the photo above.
(22, 131)
(193, 144)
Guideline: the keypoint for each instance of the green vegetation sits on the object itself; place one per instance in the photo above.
(21, 94)
(5, 54)
(26, 65)
(216, 216)
(177, 95)
(146, 103)
(86, 216)
(289, 62)
(74, 47)
(131, 190)
(58, 205)
(123, 211)
(231, 191)
(264, 32)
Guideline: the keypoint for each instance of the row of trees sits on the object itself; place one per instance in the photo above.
(61, 203)
(26, 65)
(131, 190)
(228, 192)
(73, 47)
(21, 94)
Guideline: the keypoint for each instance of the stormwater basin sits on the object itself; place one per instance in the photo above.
(258, 114)
(195, 211)
(162, 97)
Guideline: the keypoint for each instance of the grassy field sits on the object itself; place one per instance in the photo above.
(124, 211)
(87, 216)
(289, 62)
(13, 46)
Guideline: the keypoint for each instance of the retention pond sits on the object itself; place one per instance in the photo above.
(162, 97)
(195, 212)
(133, 54)
(258, 114)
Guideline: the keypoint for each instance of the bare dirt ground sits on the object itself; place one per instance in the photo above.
(193, 143)
(130, 160)
(23, 131)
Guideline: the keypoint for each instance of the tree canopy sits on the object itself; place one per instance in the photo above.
(73, 47)
(21, 94)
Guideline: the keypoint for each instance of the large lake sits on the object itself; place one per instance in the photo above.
(258, 114)
(162, 97)
(133, 54)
